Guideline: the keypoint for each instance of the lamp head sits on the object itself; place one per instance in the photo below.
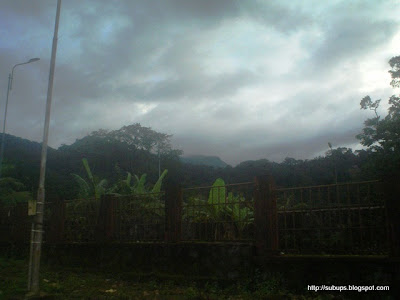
(33, 59)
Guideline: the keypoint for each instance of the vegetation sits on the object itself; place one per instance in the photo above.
(113, 160)
(13, 191)
(75, 283)
(125, 186)
(92, 188)
(380, 135)
(222, 211)
(213, 161)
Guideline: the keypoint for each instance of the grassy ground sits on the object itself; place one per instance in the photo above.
(74, 283)
(80, 284)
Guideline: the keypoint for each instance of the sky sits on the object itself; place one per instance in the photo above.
(242, 80)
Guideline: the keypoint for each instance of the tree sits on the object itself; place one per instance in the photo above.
(394, 63)
(382, 135)
(140, 137)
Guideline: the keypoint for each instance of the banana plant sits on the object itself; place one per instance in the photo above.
(216, 201)
(224, 207)
(194, 210)
(157, 186)
(216, 198)
(241, 216)
(139, 187)
(126, 187)
(92, 188)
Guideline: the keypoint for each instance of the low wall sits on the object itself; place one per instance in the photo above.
(208, 260)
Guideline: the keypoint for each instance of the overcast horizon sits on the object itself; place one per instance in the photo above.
(241, 80)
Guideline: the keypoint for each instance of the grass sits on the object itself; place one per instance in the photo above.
(76, 283)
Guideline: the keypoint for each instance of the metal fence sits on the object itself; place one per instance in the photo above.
(339, 218)
(344, 218)
(80, 220)
(139, 217)
(129, 218)
(218, 213)
(14, 223)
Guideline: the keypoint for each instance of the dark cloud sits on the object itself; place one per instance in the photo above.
(286, 18)
(238, 79)
(183, 88)
(352, 37)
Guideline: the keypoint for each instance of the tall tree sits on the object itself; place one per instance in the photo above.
(140, 137)
(382, 135)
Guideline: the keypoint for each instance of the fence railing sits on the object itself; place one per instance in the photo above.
(218, 213)
(341, 218)
(139, 217)
(129, 218)
(14, 223)
(345, 218)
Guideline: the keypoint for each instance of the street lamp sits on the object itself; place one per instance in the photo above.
(9, 88)
(37, 224)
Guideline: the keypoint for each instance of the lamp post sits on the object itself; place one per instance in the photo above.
(37, 224)
(9, 88)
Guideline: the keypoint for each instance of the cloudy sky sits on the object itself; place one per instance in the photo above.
(238, 79)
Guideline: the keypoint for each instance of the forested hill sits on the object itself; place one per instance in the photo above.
(213, 161)
(112, 159)
(22, 160)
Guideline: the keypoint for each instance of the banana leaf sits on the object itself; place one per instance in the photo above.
(157, 186)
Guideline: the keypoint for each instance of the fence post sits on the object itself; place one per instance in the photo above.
(106, 218)
(392, 204)
(265, 216)
(57, 220)
(173, 213)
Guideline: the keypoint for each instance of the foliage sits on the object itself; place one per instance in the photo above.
(8, 169)
(157, 186)
(139, 187)
(12, 191)
(139, 137)
(94, 188)
(75, 282)
(381, 136)
(394, 63)
(341, 162)
(230, 213)
(213, 161)
(9, 184)
(105, 154)
(125, 186)
(242, 216)
(216, 198)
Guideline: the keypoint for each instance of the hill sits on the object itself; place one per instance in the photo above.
(111, 160)
(213, 161)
